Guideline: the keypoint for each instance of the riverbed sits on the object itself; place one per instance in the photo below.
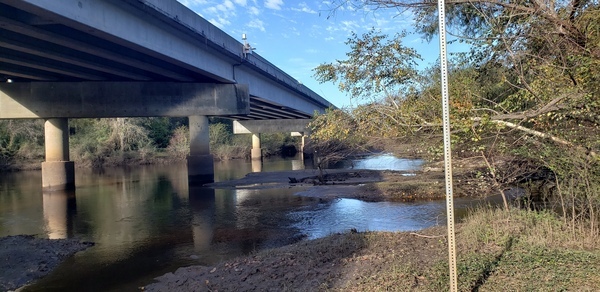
(146, 221)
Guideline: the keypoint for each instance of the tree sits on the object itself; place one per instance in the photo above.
(375, 65)
(550, 51)
(21, 139)
(529, 87)
(334, 137)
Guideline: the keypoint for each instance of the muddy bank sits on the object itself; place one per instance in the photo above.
(25, 258)
(369, 185)
(337, 262)
(365, 185)
(332, 263)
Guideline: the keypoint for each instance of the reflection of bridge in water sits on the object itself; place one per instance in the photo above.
(147, 219)
(61, 60)
(116, 201)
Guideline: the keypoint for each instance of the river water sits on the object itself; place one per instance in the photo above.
(146, 220)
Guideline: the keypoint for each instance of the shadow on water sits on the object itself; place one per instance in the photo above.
(147, 220)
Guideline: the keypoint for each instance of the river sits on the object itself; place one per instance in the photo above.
(146, 221)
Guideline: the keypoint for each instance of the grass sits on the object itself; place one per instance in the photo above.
(430, 185)
(517, 250)
(502, 251)
(523, 250)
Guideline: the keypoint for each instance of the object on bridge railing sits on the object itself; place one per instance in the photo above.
(246, 47)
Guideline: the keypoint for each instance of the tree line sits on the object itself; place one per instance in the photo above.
(525, 100)
(118, 141)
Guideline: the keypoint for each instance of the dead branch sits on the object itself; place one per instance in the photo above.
(427, 236)
(541, 135)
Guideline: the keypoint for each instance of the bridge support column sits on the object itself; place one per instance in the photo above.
(305, 141)
(256, 151)
(58, 173)
(200, 162)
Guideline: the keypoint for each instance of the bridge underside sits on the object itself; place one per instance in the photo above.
(56, 102)
(38, 46)
(129, 58)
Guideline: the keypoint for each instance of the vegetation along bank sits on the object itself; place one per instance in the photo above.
(121, 141)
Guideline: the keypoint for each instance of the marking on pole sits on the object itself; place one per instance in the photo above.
(447, 148)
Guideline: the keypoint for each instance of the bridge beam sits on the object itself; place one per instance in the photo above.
(58, 172)
(29, 100)
(270, 126)
(200, 162)
(298, 127)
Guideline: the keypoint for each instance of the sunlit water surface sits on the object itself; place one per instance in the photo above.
(147, 221)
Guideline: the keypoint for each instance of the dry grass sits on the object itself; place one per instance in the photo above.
(524, 250)
(427, 185)
(497, 251)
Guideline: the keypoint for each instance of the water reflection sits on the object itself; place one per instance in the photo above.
(257, 165)
(202, 205)
(388, 162)
(382, 162)
(147, 220)
(59, 209)
(346, 214)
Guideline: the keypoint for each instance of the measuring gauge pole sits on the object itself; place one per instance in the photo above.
(447, 148)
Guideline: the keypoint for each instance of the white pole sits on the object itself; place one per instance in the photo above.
(447, 148)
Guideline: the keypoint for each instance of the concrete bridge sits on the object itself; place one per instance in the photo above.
(137, 58)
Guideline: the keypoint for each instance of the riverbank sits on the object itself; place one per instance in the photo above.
(497, 251)
(372, 185)
(369, 251)
(24, 258)
(338, 184)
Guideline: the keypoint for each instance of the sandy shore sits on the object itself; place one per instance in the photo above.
(24, 258)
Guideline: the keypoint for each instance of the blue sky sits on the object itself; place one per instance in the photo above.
(297, 36)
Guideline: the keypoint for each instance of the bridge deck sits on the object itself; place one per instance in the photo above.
(140, 40)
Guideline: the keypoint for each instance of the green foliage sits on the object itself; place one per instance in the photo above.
(101, 142)
(21, 139)
(335, 124)
(220, 134)
(526, 97)
(375, 64)
(160, 129)
(179, 144)
(224, 144)
(273, 143)
(334, 136)
(95, 142)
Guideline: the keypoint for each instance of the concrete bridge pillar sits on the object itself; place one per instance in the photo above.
(200, 162)
(294, 126)
(304, 147)
(58, 173)
(256, 151)
(203, 206)
(305, 141)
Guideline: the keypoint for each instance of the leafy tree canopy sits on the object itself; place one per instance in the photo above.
(376, 64)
